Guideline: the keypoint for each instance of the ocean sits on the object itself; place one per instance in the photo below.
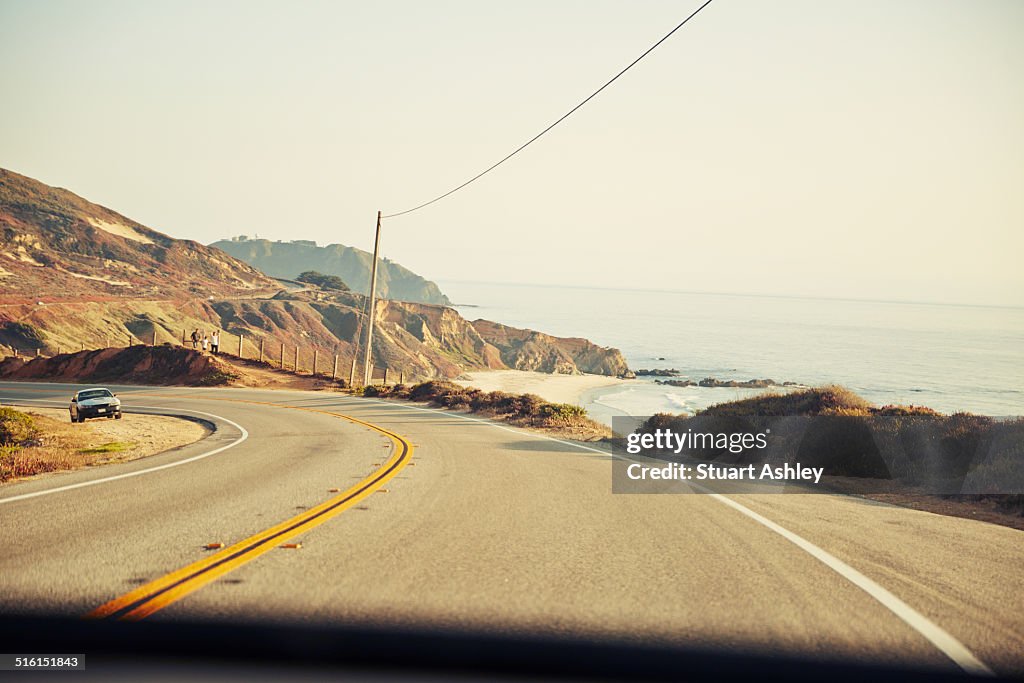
(947, 357)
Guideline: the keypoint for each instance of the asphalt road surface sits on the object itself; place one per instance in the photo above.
(342, 510)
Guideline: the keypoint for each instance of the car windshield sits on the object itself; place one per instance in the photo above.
(94, 393)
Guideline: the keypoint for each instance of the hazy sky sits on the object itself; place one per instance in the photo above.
(849, 148)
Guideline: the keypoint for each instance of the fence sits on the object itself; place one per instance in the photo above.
(311, 360)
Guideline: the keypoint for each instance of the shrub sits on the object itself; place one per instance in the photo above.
(323, 281)
(16, 427)
(827, 400)
(564, 412)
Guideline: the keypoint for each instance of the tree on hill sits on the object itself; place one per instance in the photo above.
(323, 281)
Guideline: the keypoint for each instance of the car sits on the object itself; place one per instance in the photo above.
(97, 402)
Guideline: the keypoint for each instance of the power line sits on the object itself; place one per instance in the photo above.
(560, 119)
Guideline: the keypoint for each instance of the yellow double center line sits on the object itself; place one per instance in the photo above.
(160, 593)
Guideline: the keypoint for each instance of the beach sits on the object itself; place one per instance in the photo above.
(551, 387)
(606, 397)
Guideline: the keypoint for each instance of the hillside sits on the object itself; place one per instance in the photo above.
(55, 243)
(76, 276)
(289, 259)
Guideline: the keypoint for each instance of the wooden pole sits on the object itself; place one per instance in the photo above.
(183, 337)
(129, 341)
(352, 373)
(315, 354)
(296, 359)
(401, 377)
(385, 376)
(37, 352)
(282, 355)
(154, 336)
(373, 304)
(261, 350)
(240, 338)
(334, 372)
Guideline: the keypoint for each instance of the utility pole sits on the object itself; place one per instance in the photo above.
(373, 305)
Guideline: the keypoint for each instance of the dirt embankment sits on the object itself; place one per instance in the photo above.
(135, 365)
(39, 440)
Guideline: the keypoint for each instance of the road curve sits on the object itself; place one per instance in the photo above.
(496, 529)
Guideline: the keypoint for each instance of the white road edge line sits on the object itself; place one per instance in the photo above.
(93, 482)
(932, 632)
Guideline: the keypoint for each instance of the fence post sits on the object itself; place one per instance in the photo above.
(296, 359)
(316, 352)
(261, 350)
(385, 376)
(352, 373)
(129, 340)
(37, 352)
(83, 346)
(240, 338)
(401, 377)
(183, 337)
(154, 336)
(282, 355)
(334, 372)
(58, 349)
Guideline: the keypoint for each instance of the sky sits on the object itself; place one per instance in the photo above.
(851, 148)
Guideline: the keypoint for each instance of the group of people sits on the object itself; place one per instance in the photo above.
(209, 343)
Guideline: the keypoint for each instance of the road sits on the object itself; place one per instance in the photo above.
(420, 517)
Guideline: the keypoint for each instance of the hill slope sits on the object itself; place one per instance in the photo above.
(53, 242)
(75, 276)
(288, 259)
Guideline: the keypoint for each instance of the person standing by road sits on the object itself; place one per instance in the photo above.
(215, 341)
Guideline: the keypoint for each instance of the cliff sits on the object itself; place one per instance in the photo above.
(289, 259)
(523, 349)
(75, 276)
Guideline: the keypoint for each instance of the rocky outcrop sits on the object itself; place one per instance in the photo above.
(740, 384)
(658, 372)
(522, 349)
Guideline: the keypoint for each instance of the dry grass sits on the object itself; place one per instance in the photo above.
(42, 440)
(41, 445)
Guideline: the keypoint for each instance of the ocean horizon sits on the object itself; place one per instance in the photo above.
(950, 357)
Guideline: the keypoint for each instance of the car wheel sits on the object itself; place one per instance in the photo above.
(73, 420)
(118, 416)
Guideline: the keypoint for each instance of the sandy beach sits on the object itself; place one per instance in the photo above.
(554, 388)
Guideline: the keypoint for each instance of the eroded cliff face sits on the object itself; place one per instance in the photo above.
(523, 349)
(76, 276)
(421, 341)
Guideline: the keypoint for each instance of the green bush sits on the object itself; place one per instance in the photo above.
(562, 411)
(16, 427)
